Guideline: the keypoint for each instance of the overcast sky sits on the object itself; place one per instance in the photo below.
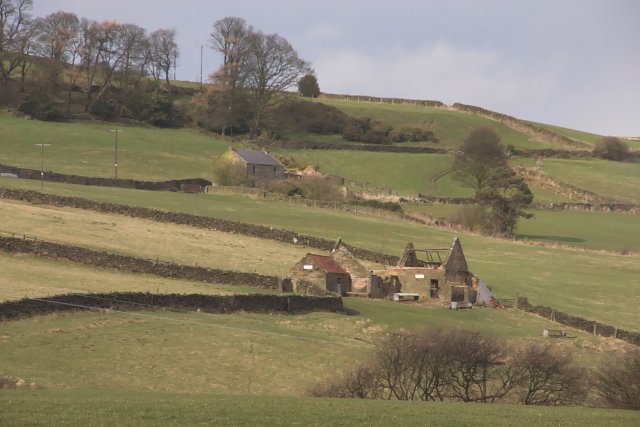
(573, 63)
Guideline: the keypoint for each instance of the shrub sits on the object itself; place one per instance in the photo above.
(227, 172)
(376, 204)
(411, 134)
(304, 116)
(309, 187)
(39, 106)
(308, 86)
(611, 148)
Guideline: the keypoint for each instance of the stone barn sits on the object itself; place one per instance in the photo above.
(360, 276)
(442, 274)
(319, 274)
(260, 165)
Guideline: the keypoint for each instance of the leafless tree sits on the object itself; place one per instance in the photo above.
(56, 42)
(131, 46)
(230, 38)
(165, 52)
(619, 381)
(15, 24)
(273, 66)
(547, 375)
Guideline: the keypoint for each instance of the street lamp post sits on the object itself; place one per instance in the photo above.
(115, 163)
(42, 164)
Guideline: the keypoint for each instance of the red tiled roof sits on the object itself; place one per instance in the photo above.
(328, 264)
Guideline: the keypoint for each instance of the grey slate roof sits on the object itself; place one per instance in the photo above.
(257, 157)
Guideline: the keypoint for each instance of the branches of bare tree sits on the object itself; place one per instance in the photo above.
(458, 365)
(263, 64)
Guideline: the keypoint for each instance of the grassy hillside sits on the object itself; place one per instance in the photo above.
(144, 153)
(243, 353)
(451, 127)
(32, 276)
(401, 172)
(148, 239)
(612, 231)
(612, 179)
(591, 284)
(589, 138)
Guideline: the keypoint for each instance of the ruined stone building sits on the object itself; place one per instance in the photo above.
(443, 275)
(260, 165)
(318, 275)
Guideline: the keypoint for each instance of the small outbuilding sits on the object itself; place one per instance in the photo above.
(319, 274)
(260, 165)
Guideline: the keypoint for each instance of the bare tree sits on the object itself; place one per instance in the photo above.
(131, 45)
(619, 381)
(165, 52)
(230, 38)
(547, 376)
(273, 66)
(58, 32)
(15, 23)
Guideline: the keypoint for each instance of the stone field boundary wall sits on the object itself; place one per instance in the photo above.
(134, 265)
(311, 145)
(593, 327)
(137, 301)
(191, 185)
(209, 223)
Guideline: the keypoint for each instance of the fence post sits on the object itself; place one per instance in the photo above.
(594, 328)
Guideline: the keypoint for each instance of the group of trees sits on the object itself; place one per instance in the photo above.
(501, 196)
(79, 54)
(468, 366)
(256, 69)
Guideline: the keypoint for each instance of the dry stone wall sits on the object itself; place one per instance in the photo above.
(580, 323)
(136, 301)
(217, 224)
(134, 265)
(310, 145)
(190, 185)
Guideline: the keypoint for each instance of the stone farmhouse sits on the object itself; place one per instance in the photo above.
(443, 275)
(260, 165)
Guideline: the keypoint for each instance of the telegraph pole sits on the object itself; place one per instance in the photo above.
(115, 162)
(42, 165)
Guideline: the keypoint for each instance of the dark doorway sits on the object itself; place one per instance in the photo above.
(434, 288)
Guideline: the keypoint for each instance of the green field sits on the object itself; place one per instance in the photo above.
(613, 231)
(620, 181)
(400, 172)
(149, 239)
(242, 353)
(152, 408)
(144, 153)
(589, 138)
(596, 289)
(451, 127)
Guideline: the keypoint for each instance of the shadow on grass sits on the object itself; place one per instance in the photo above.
(562, 239)
(351, 312)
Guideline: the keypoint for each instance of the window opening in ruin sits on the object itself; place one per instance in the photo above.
(253, 169)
